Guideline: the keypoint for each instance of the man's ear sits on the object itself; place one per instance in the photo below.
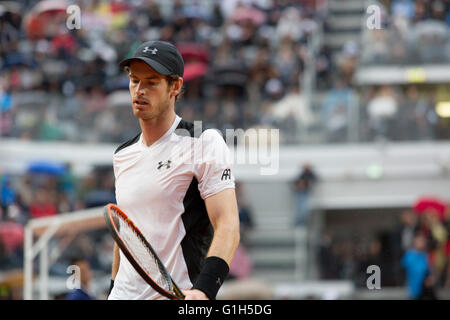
(177, 86)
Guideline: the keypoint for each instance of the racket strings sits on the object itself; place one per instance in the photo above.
(143, 254)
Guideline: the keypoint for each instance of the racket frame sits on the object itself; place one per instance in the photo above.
(176, 294)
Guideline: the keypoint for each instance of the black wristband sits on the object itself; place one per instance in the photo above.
(111, 285)
(211, 277)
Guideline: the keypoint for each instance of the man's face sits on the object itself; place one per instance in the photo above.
(149, 91)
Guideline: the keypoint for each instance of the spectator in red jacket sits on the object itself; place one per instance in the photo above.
(43, 204)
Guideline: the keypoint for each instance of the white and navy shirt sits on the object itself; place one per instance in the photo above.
(162, 188)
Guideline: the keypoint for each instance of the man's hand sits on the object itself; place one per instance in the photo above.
(194, 294)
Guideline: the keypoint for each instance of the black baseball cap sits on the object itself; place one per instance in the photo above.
(161, 56)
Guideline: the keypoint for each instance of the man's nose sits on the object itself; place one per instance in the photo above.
(140, 89)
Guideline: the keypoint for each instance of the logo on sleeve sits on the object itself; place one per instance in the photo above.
(226, 174)
(162, 164)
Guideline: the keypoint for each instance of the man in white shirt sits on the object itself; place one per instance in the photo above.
(175, 184)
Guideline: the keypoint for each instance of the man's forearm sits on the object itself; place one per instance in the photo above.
(223, 213)
(218, 261)
(224, 243)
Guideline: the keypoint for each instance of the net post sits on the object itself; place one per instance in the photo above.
(28, 264)
(43, 259)
(44, 229)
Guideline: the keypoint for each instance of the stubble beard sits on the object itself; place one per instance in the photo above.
(155, 113)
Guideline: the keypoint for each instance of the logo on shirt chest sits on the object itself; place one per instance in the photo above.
(164, 164)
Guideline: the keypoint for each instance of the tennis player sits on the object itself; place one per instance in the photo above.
(177, 185)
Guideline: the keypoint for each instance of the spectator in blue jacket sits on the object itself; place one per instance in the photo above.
(82, 293)
(415, 262)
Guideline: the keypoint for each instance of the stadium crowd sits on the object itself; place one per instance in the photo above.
(413, 32)
(244, 65)
(237, 64)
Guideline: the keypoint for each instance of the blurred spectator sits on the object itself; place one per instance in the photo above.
(292, 114)
(446, 224)
(241, 266)
(371, 256)
(82, 293)
(437, 238)
(6, 112)
(104, 253)
(43, 204)
(347, 61)
(245, 212)
(407, 229)
(303, 188)
(403, 8)
(382, 111)
(428, 291)
(327, 263)
(426, 119)
(402, 240)
(7, 196)
(415, 262)
(11, 244)
(68, 186)
(405, 125)
(336, 111)
(324, 67)
(375, 47)
(11, 284)
(25, 193)
(431, 37)
(289, 24)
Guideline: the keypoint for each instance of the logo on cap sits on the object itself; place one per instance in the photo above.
(147, 49)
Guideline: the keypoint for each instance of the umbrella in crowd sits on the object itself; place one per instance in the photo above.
(429, 204)
(44, 18)
(193, 52)
(194, 70)
(253, 15)
(11, 235)
(230, 75)
(47, 167)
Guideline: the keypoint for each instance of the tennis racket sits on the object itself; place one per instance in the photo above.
(140, 253)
